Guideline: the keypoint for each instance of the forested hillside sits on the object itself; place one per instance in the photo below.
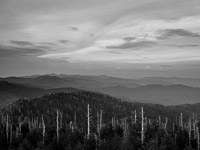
(61, 121)
(10, 92)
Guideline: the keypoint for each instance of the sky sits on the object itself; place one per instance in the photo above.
(123, 38)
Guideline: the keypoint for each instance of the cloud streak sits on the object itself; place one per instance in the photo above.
(171, 33)
(136, 45)
(74, 29)
(63, 41)
(21, 43)
(11, 51)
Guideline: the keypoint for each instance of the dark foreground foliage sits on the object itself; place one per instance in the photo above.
(59, 122)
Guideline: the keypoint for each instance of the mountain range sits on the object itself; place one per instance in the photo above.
(159, 90)
(10, 92)
(76, 102)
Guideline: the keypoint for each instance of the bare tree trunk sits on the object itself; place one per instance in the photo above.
(142, 132)
(98, 128)
(88, 123)
(113, 122)
(11, 135)
(198, 145)
(75, 118)
(181, 121)
(43, 129)
(57, 125)
(166, 121)
(17, 132)
(135, 116)
(101, 118)
(7, 128)
(189, 132)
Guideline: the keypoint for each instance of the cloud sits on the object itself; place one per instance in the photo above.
(128, 39)
(21, 43)
(63, 41)
(182, 46)
(10, 51)
(138, 44)
(74, 29)
(47, 43)
(169, 33)
(114, 52)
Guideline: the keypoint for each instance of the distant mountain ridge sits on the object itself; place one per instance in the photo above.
(10, 92)
(49, 81)
(193, 82)
(167, 91)
(160, 94)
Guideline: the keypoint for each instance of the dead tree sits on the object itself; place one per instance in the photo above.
(181, 121)
(135, 117)
(189, 132)
(101, 119)
(166, 121)
(43, 129)
(142, 130)
(198, 144)
(7, 128)
(11, 133)
(57, 125)
(88, 121)
(113, 122)
(98, 123)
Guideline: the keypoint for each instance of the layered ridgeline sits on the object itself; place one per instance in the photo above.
(158, 94)
(10, 92)
(166, 91)
(62, 80)
(75, 103)
(68, 120)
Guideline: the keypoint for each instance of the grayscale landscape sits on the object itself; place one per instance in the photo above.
(100, 75)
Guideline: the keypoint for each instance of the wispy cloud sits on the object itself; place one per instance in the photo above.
(182, 45)
(137, 45)
(171, 33)
(11, 51)
(63, 41)
(21, 43)
(47, 43)
(128, 39)
(74, 28)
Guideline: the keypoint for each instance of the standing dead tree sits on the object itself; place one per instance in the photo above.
(197, 133)
(88, 121)
(142, 126)
(43, 129)
(57, 125)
